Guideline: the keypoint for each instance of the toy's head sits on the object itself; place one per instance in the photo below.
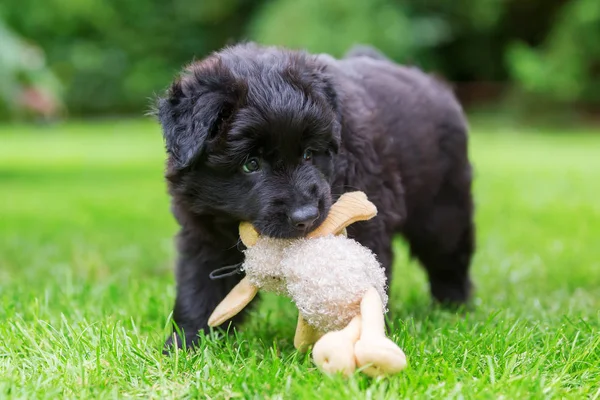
(264, 255)
(349, 208)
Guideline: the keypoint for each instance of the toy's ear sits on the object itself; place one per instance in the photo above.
(350, 208)
(248, 234)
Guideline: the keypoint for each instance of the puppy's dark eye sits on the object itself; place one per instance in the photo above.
(307, 155)
(251, 165)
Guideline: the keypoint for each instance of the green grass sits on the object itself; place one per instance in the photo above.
(86, 281)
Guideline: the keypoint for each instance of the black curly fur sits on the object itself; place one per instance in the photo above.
(393, 132)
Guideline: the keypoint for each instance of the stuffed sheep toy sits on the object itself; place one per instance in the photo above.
(337, 284)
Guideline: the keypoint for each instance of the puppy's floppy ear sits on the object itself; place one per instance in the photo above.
(197, 107)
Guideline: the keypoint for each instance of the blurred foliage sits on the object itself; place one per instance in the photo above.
(112, 56)
(567, 66)
(406, 30)
(334, 26)
(27, 85)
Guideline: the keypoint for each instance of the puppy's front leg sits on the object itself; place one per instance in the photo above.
(197, 294)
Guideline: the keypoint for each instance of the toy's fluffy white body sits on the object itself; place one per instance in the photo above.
(328, 288)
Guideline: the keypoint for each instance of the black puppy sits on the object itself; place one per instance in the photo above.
(273, 137)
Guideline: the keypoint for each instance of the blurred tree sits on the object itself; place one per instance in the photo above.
(566, 67)
(470, 49)
(334, 26)
(112, 56)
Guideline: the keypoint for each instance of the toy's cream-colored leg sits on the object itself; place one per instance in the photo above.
(334, 352)
(243, 293)
(239, 297)
(374, 350)
(306, 335)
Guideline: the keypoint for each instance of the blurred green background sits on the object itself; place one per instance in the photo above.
(109, 57)
(86, 236)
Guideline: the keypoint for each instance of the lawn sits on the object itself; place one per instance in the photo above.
(86, 282)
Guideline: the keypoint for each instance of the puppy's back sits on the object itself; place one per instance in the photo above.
(413, 118)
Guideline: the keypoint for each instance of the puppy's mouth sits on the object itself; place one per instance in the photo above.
(279, 225)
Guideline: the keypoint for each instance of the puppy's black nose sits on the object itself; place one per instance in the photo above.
(303, 217)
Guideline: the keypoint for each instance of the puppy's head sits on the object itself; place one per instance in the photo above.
(252, 134)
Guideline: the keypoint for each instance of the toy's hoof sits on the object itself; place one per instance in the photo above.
(381, 357)
(334, 354)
